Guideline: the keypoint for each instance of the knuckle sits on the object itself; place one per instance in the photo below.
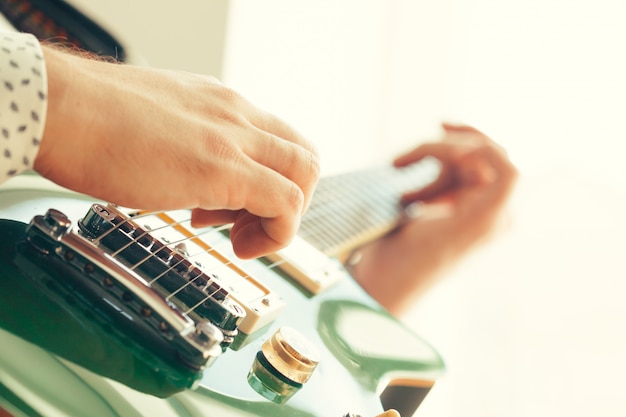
(219, 147)
(314, 166)
(226, 105)
(294, 198)
(228, 95)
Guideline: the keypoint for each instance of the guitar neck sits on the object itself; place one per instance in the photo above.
(354, 208)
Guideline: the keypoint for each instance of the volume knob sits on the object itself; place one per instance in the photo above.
(285, 362)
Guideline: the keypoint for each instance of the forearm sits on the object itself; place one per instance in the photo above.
(72, 113)
(60, 68)
(396, 272)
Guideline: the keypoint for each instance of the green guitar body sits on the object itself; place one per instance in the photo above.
(58, 359)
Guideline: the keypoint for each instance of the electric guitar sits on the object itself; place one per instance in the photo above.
(107, 311)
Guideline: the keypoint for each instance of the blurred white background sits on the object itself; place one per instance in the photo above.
(533, 324)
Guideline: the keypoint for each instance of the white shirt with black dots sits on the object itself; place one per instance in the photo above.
(23, 102)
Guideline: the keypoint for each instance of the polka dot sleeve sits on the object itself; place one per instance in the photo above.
(23, 89)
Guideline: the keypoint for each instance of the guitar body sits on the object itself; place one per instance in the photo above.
(59, 359)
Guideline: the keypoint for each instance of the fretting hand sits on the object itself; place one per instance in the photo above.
(460, 209)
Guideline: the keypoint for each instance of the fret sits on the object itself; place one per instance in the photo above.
(346, 211)
(349, 209)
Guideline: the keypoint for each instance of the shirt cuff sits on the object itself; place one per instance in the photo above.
(23, 101)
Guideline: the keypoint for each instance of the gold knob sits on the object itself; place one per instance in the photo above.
(284, 363)
(291, 354)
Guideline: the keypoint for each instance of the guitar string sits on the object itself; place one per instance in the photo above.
(128, 220)
(136, 239)
(167, 245)
(183, 256)
(384, 171)
(198, 304)
(146, 232)
(170, 244)
(188, 282)
(377, 219)
(400, 183)
(203, 270)
(202, 301)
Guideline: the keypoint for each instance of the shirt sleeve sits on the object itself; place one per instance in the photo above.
(23, 102)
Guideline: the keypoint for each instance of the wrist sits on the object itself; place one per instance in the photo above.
(71, 97)
(60, 75)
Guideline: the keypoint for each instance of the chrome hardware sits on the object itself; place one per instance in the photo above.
(164, 265)
(55, 224)
(121, 288)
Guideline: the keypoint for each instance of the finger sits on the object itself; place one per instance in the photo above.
(294, 162)
(202, 218)
(448, 154)
(261, 191)
(251, 241)
(460, 128)
(503, 175)
(464, 134)
(464, 137)
(271, 123)
(497, 158)
(278, 204)
(444, 183)
(253, 236)
(417, 154)
(443, 151)
(248, 235)
(470, 170)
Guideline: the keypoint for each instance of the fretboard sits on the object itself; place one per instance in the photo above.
(353, 208)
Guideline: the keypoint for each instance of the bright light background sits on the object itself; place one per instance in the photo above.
(533, 324)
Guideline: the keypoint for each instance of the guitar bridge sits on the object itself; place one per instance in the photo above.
(93, 267)
(163, 267)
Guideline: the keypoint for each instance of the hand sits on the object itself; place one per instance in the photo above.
(460, 209)
(161, 140)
